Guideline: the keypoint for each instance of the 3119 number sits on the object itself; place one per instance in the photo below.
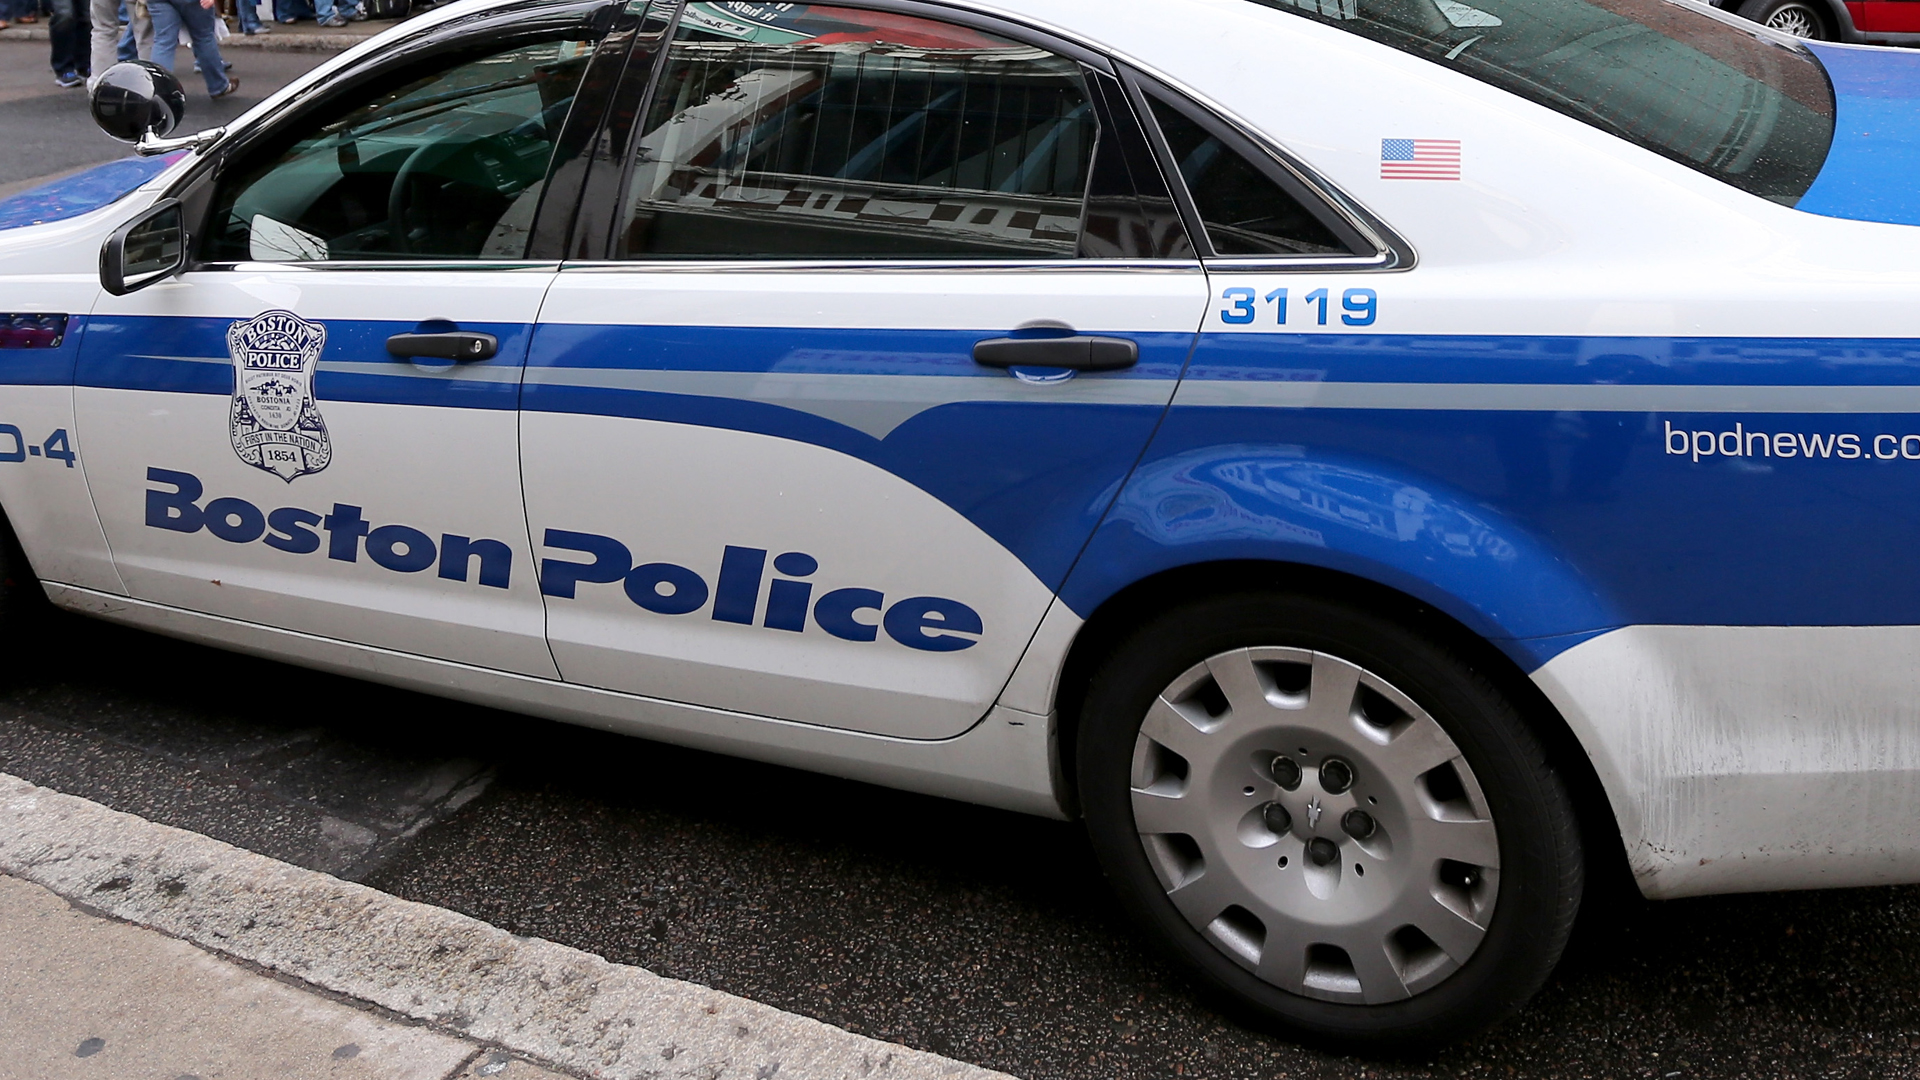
(1358, 307)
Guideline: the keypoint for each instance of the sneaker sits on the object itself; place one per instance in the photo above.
(288, 22)
(69, 80)
(263, 28)
(333, 23)
(358, 15)
(232, 85)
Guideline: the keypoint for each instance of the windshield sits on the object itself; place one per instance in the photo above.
(1734, 103)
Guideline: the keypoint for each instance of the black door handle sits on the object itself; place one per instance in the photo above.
(459, 346)
(1078, 353)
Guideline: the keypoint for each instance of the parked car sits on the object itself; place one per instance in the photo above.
(1867, 22)
(1380, 463)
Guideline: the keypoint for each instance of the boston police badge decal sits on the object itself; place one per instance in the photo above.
(275, 424)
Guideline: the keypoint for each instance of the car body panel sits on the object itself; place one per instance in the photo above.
(840, 416)
(1871, 173)
(431, 453)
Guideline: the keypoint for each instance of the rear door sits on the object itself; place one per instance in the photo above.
(764, 468)
(314, 428)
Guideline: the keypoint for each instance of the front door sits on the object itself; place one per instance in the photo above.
(764, 468)
(315, 428)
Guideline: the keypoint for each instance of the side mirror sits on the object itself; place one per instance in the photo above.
(145, 250)
(136, 97)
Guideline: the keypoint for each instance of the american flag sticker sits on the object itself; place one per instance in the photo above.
(1419, 159)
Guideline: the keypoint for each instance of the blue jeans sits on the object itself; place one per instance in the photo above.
(168, 17)
(249, 13)
(324, 9)
(126, 49)
(71, 27)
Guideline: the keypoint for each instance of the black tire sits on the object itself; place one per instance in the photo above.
(1807, 19)
(1539, 875)
(28, 620)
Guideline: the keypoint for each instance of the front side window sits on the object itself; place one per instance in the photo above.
(447, 165)
(1729, 101)
(815, 131)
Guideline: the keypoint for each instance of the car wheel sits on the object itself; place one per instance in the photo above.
(1333, 821)
(1796, 17)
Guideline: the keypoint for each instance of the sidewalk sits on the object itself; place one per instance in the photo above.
(85, 996)
(303, 36)
(129, 948)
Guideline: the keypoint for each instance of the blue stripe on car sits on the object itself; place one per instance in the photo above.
(1528, 488)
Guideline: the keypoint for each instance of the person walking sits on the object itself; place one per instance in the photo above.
(121, 31)
(169, 16)
(248, 12)
(70, 29)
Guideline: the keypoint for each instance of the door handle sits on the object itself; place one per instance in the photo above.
(459, 346)
(1077, 353)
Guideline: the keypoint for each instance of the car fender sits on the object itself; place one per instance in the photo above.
(1284, 503)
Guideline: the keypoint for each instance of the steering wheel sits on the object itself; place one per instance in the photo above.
(397, 201)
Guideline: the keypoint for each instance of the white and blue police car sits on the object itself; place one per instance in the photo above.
(1384, 464)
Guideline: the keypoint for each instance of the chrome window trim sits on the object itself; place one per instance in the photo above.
(464, 266)
(1384, 260)
(868, 266)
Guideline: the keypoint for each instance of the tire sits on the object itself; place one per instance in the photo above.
(24, 609)
(1801, 18)
(1468, 834)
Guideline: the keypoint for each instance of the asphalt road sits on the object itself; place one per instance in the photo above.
(46, 131)
(971, 932)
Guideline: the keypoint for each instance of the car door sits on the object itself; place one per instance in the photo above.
(770, 464)
(314, 427)
(1889, 16)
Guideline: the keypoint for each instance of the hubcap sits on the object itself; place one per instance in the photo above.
(1795, 20)
(1369, 878)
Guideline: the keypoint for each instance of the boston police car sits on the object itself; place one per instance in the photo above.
(1382, 463)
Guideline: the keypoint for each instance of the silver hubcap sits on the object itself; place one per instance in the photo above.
(1794, 20)
(1315, 825)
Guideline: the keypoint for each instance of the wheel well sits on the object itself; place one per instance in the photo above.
(1114, 619)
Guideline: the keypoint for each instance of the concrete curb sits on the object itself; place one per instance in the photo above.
(563, 1006)
(270, 42)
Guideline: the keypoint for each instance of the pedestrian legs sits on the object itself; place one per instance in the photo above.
(168, 18)
(335, 12)
(69, 28)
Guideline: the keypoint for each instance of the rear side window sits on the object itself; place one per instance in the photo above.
(1701, 89)
(829, 132)
(1242, 209)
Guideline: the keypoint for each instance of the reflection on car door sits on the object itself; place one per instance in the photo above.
(260, 450)
(763, 468)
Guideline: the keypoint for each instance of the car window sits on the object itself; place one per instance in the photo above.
(1244, 211)
(449, 164)
(830, 132)
(1703, 89)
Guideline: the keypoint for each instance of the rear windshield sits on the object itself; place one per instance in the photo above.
(1732, 102)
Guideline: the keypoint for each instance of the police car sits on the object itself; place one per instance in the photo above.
(1383, 464)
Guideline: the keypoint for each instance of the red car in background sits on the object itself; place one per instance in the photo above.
(1874, 22)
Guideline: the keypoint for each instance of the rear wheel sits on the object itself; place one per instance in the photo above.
(1797, 17)
(1330, 819)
